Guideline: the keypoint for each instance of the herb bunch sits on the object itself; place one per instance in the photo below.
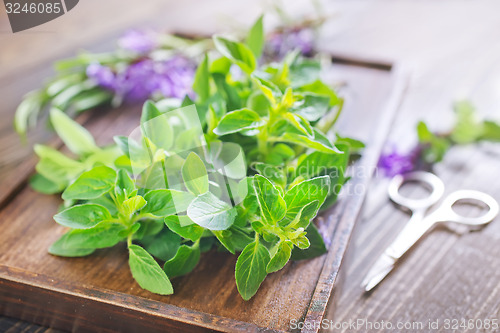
(245, 167)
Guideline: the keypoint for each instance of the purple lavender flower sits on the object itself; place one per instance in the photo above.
(394, 163)
(138, 41)
(145, 78)
(279, 44)
(102, 75)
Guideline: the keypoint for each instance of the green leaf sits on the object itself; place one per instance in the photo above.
(164, 245)
(281, 257)
(82, 216)
(272, 205)
(178, 224)
(78, 241)
(74, 136)
(300, 123)
(318, 87)
(237, 121)
(491, 131)
(157, 129)
(195, 174)
(133, 204)
(229, 94)
(166, 202)
(149, 111)
(316, 249)
(91, 184)
(304, 71)
(210, 212)
(147, 272)
(302, 220)
(233, 239)
(55, 166)
(255, 39)
(434, 147)
(467, 128)
(27, 111)
(274, 173)
(185, 260)
(91, 99)
(201, 85)
(238, 53)
(124, 182)
(251, 269)
(312, 107)
(303, 193)
(44, 185)
(316, 143)
(269, 89)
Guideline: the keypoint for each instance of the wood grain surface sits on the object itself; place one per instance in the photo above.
(453, 50)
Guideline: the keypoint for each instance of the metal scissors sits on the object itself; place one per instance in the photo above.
(420, 223)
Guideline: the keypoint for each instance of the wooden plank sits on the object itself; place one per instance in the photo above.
(208, 292)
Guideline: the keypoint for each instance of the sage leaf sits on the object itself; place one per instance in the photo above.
(251, 269)
(147, 272)
(82, 216)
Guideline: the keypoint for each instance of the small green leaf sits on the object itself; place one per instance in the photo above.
(491, 131)
(91, 184)
(133, 204)
(237, 121)
(201, 85)
(318, 87)
(195, 174)
(272, 205)
(312, 107)
(157, 129)
(178, 224)
(305, 192)
(166, 202)
(83, 240)
(124, 182)
(316, 249)
(210, 212)
(185, 260)
(44, 185)
(269, 89)
(281, 257)
(255, 39)
(27, 111)
(82, 216)
(149, 111)
(316, 143)
(251, 269)
(238, 53)
(147, 272)
(164, 245)
(74, 136)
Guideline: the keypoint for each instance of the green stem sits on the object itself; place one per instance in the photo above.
(129, 240)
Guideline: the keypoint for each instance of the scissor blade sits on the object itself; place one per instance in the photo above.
(382, 267)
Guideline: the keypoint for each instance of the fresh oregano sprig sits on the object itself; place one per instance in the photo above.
(243, 167)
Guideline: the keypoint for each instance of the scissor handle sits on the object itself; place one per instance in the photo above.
(436, 185)
(446, 212)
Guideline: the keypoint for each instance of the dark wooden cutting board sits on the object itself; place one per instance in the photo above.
(98, 293)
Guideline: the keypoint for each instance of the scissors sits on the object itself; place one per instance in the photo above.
(420, 223)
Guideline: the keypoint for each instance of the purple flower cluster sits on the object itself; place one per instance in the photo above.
(279, 44)
(395, 163)
(144, 78)
(138, 41)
